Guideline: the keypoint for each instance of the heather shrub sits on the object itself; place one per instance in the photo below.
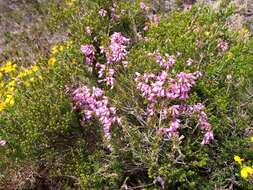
(215, 89)
(136, 100)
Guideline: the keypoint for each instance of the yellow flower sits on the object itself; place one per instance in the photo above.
(40, 77)
(245, 30)
(61, 48)
(25, 72)
(230, 55)
(246, 171)
(54, 49)
(21, 75)
(1, 85)
(2, 105)
(8, 67)
(32, 79)
(10, 89)
(249, 170)
(12, 83)
(251, 139)
(206, 33)
(35, 68)
(238, 159)
(9, 99)
(11, 102)
(51, 61)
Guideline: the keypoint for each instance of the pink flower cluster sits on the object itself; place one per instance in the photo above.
(166, 64)
(161, 88)
(143, 6)
(189, 62)
(153, 18)
(102, 12)
(222, 45)
(115, 53)
(181, 86)
(154, 87)
(94, 104)
(112, 12)
(178, 110)
(89, 52)
(117, 49)
(114, 16)
(106, 74)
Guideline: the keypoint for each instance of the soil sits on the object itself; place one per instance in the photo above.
(24, 35)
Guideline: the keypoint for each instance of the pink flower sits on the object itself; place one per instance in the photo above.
(153, 87)
(178, 54)
(102, 12)
(101, 70)
(109, 78)
(175, 110)
(166, 64)
(171, 61)
(118, 38)
(2, 142)
(189, 61)
(116, 52)
(155, 19)
(175, 124)
(142, 5)
(93, 104)
(89, 52)
(187, 7)
(222, 45)
(182, 85)
(172, 130)
(207, 138)
(164, 112)
(159, 89)
(117, 49)
(145, 28)
(197, 108)
(113, 12)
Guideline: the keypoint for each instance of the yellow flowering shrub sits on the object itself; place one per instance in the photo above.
(11, 76)
(55, 50)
